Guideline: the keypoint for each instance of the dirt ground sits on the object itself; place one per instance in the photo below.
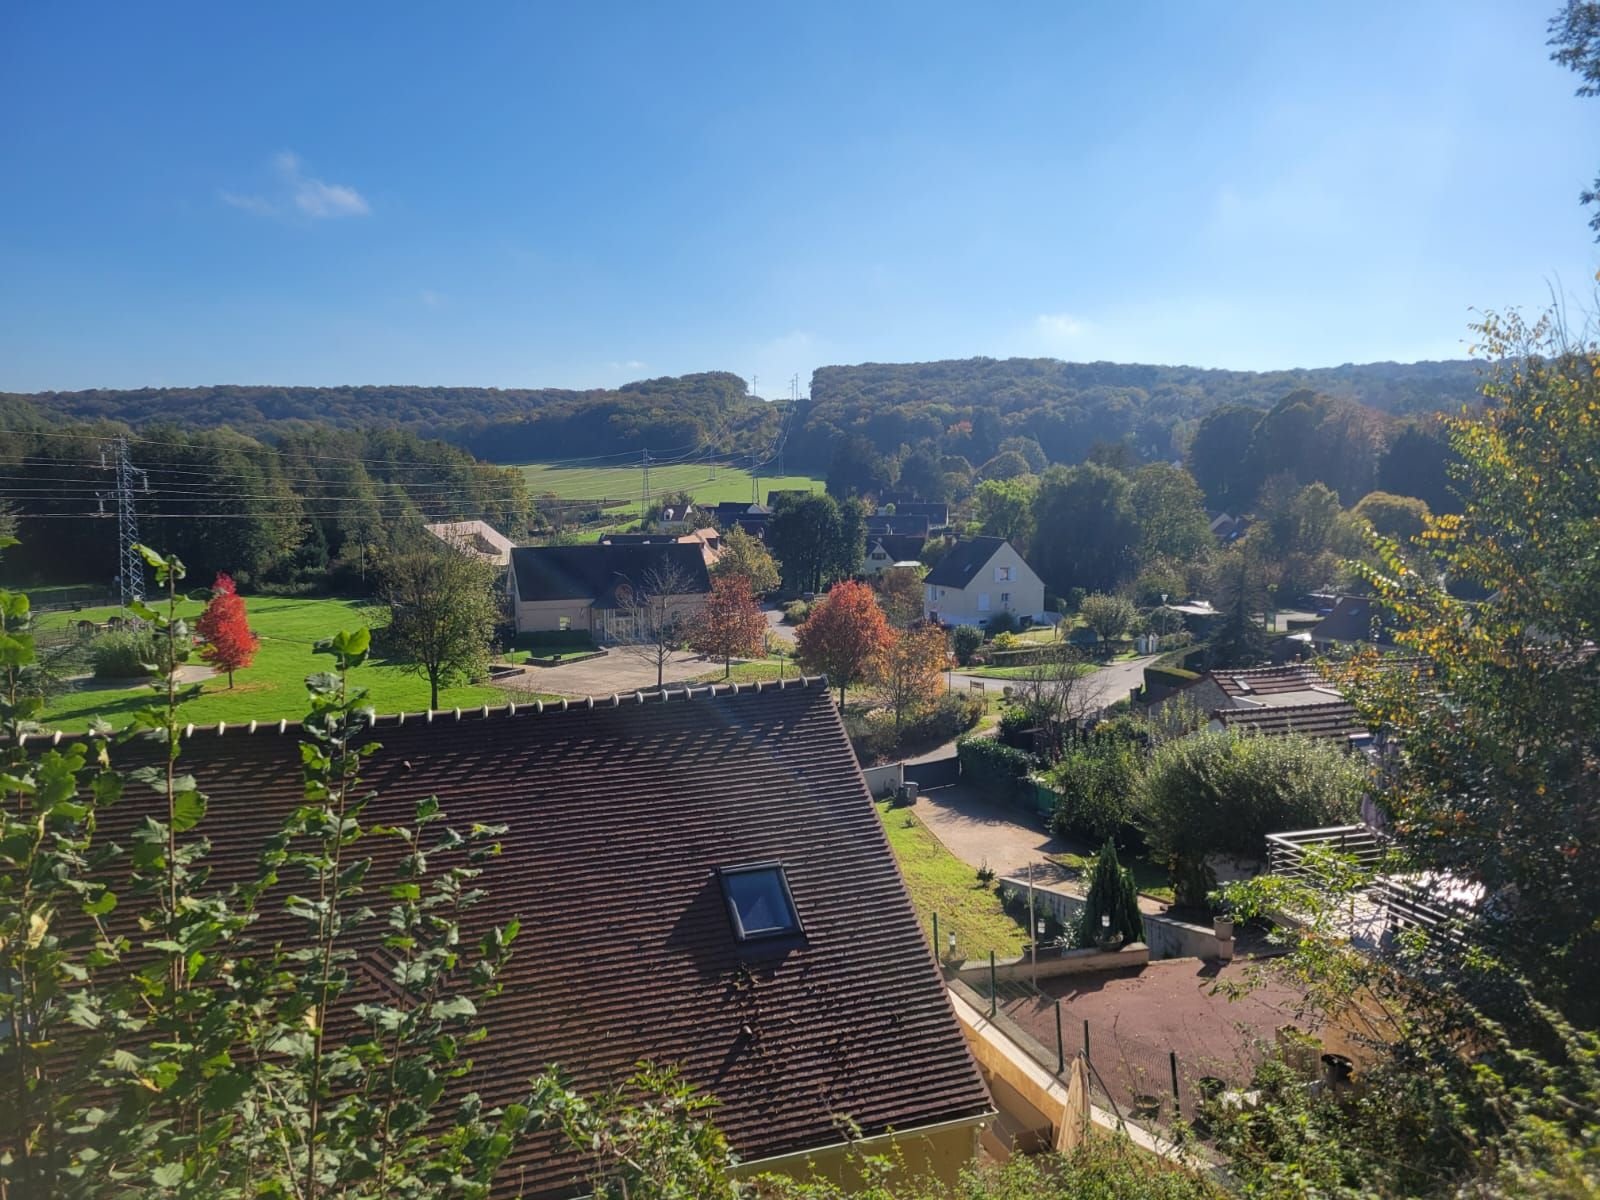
(1137, 1017)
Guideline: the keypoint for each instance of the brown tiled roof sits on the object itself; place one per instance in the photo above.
(620, 812)
(1335, 720)
(1267, 681)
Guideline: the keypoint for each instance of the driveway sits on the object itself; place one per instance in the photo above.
(618, 671)
(775, 625)
(979, 831)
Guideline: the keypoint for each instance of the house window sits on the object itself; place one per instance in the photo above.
(983, 601)
(1005, 599)
(759, 902)
(1003, 575)
(564, 624)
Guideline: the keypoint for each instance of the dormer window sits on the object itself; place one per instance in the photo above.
(759, 903)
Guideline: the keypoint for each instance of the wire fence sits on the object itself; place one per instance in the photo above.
(1121, 1022)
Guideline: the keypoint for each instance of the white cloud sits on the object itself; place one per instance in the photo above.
(295, 191)
(1059, 328)
(259, 205)
(632, 364)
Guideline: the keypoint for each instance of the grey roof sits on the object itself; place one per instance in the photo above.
(596, 572)
(963, 561)
(898, 546)
(1355, 619)
(909, 525)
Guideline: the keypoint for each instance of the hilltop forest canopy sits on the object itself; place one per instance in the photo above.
(961, 408)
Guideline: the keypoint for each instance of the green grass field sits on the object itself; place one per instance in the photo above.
(939, 882)
(273, 687)
(708, 485)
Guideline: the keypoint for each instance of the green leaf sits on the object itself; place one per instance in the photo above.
(100, 907)
(167, 1175)
(188, 807)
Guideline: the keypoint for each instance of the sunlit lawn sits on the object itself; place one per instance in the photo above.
(273, 687)
(939, 882)
(707, 485)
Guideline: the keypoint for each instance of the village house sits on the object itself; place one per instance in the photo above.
(760, 940)
(897, 525)
(892, 550)
(477, 538)
(978, 578)
(590, 588)
(708, 539)
(937, 511)
(1354, 621)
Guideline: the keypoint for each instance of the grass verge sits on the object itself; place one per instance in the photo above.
(941, 883)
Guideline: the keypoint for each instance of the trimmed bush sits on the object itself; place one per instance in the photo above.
(1095, 781)
(1016, 728)
(561, 639)
(1001, 622)
(966, 641)
(796, 612)
(994, 767)
(125, 655)
(1222, 793)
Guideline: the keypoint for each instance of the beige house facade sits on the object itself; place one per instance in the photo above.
(978, 578)
(595, 589)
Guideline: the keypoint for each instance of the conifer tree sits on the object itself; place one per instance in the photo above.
(1112, 893)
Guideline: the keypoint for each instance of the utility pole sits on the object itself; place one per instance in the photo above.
(130, 564)
(644, 500)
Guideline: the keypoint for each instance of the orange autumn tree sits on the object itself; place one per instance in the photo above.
(908, 671)
(844, 636)
(230, 643)
(730, 625)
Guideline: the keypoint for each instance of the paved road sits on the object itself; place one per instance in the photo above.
(1107, 685)
(775, 624)
(618, 671)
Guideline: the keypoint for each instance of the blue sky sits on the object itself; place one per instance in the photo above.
(526, 195)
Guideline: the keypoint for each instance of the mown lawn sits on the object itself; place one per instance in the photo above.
(1015, 672)
(273, 687)
(752, 670)
(705, 484)
(939, 882)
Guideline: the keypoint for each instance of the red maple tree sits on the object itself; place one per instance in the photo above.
(230, 644)
(730, 624)
(845, 635)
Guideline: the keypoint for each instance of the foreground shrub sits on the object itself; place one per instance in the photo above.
(1095, 781)
(125, 655)
(1222, 793)
(966, 640)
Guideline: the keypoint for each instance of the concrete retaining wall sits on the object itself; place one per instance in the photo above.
(1055, 963)
(1166, 937)
(882, 781)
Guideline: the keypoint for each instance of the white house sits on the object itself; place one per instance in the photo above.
(978, 578)
(891, 550)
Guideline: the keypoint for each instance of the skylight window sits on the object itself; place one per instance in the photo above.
(759, 903)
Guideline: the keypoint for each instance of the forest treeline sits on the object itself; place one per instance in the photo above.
(315, 504)
(961, 407)
(675, 415)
